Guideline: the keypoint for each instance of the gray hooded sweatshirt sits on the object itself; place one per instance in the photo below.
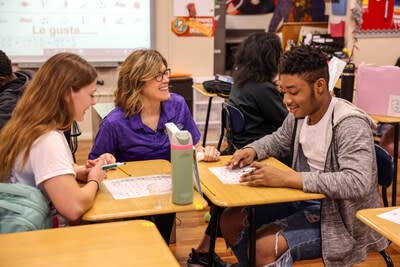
(349, 181)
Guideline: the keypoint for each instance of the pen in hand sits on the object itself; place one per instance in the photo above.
(112, 166)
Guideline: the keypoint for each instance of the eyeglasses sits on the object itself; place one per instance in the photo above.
(159, 77)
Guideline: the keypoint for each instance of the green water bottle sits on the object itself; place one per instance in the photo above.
(181, 164)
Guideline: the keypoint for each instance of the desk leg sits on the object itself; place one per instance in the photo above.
(396, 158)
(252, 238)
(207, 119)
(215, 214)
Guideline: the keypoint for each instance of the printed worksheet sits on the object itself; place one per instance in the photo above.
(228, 176)
(141, 186)
(393, 216)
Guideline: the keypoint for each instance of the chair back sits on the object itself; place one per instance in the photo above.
(72, 137)
(232, 122)
(385, 166)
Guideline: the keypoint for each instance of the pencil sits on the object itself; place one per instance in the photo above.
(206, 186)
(124, 171)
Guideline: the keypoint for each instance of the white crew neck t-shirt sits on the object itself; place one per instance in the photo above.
(49, 157)
(313, 139)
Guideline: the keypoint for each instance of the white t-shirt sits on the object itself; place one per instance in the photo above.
(313, 139)
(49, 156)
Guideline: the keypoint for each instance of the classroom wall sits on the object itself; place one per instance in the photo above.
(192, 55)
(372, 50)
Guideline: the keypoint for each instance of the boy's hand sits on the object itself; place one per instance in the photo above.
(241, 158)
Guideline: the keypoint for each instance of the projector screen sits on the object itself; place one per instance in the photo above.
(101, 31)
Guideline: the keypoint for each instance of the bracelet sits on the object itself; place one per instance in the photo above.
(98, 185)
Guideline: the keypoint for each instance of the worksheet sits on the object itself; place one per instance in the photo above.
(141, 186)
(228, 176)
(393, 216)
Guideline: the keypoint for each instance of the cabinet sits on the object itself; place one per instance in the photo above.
(231, 30)
(183, 86)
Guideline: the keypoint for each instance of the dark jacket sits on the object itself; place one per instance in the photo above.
(11, 93)
(263, 110)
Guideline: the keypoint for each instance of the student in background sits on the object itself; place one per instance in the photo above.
(12, 85)
(333, 153)
(253, 91)
(33, 149)
(135, 129)
(257, 97)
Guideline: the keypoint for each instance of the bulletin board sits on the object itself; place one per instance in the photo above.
(378, 18)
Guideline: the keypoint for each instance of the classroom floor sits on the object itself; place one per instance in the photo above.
(190, 227)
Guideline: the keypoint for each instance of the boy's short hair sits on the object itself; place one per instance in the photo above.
(310, 63)
(5, 65)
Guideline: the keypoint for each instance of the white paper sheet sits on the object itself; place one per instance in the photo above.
(203, 8)
(139, 186)
(228, 176)
(393, 216)
(336, 67)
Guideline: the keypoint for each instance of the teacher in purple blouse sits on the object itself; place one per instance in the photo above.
(135, 129)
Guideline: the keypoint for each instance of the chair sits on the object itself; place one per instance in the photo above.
(72, 137)
(384, 162)
(232, 120)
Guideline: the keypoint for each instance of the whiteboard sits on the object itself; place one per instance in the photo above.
(31, 31)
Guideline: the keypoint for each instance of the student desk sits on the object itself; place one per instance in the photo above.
(127, 243)
(200, 88)
(386, 228)
(238, 195)
(395, 122)
(105, 207)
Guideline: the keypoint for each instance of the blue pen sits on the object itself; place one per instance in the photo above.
(112, 166)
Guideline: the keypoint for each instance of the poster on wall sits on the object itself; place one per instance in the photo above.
(377, 18)
(248, 7)
(193, 18)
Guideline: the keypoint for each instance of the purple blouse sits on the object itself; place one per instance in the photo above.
(128, 139)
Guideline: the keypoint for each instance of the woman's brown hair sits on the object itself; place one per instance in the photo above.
(43, 107)
(138, 68)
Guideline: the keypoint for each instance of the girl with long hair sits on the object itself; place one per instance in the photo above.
(33, 149)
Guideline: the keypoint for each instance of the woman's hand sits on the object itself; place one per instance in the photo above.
(241, 158)
(107, 157)
(209, 153)
(96, 173)
(83, 171)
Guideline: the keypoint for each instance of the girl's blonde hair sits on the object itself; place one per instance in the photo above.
(43, 107)
(138, 68)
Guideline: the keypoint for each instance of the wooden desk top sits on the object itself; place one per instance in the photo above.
(126, 243)
(105, 207)
(386, 228)
(235, 195)
(200, 88)
(384, 119)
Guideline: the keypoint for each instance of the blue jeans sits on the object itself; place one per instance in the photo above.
(300, 226)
